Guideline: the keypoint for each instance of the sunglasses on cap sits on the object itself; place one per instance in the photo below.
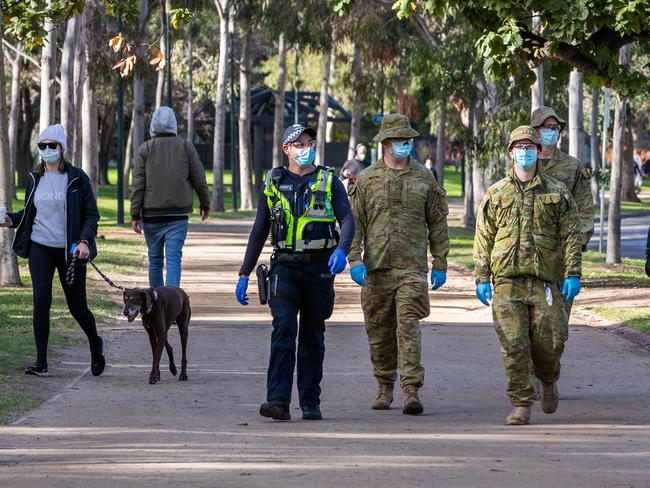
(46, 145)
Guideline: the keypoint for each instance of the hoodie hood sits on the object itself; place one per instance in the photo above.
(163, 122)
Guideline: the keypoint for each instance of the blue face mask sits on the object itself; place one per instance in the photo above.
(549, 137)
(525, 158)
(305, 156)
(402, 149)
(50, 155)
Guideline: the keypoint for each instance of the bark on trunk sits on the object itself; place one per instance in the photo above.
(14, 118)
(323, 104)
(67, 79)
(89, 149)
(537, 88)
(160, 85)
(190, 87)
(245, 147)
(223, 6)
(614, 213)
(278, 118)
(128, 159)
(441, 143)
(627, 184)
(24, 161)
(79, 77)
(8, 263)
(48, 75)
(576, 115)
(108, 129)
(138, 81)
(594, 145)
(355, 124)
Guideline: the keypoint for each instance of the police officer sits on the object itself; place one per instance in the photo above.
(399, 210)
(527, 240)
(300, 205)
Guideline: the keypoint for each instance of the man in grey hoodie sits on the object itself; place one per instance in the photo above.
(166, 171)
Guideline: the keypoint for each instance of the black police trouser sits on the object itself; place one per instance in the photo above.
(308, 290)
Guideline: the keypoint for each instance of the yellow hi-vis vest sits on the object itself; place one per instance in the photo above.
(315, 228)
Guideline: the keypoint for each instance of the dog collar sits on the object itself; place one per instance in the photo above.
(155, 299)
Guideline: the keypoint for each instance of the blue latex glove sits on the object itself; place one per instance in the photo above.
(337, 262)
(571, 288)
(438, 278)
(484, 293)
(240, 291)
(358, 274)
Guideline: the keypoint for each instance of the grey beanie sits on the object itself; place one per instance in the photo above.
(163, 121)
(54, 133)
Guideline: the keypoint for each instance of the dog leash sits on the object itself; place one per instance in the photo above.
(69, 275)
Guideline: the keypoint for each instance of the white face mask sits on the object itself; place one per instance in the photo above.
(50, 155)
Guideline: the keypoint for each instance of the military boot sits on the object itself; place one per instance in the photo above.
(549, 397)
(412, 403)
(384, 397)
(518, 416)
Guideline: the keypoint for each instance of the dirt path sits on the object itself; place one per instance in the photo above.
(117, 430)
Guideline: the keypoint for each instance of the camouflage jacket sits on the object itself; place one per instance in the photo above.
(396, 214)
(569, 170)
(527, 229)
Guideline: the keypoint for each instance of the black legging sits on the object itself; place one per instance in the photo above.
(43, 260)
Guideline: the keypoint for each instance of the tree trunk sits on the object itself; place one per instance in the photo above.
(576, 115)
(469, 216)
(138, 81)
(190, 87)
(441, 143)
(160, 85)
(48, 74)
(78, 90)
(89, 136)
(323, 106)
(245, 147)
(8, 263)
(223, 6)
(627, 178)
(614, 213)
(355, 124)
(106, 139)
(128, 159)
(67, 79)
(594, 145)
(537, 88)
(24, 161)
(278, 118)
(14, 118)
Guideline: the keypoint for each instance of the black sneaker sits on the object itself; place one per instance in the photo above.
(312, 413)
(98, 361)
(37, 369)
(275, 410)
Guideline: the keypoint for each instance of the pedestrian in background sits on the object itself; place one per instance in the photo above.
(166, 171)
(399, 210)
(60, 210)
(351, 168)
(300, 206)
(528, 243)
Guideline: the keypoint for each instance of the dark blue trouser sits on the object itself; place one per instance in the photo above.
(308, 290)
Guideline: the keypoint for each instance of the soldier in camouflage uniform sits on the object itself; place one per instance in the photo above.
(527, 240)
(398, 209)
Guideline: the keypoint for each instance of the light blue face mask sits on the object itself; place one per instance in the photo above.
(402, 149)
(549, 137)
(305, 156)
(525, 158)
(50, 155)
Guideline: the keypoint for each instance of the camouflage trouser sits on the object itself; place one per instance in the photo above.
(393, 302)
(529, 329)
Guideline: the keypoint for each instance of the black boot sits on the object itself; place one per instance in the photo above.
(275, 410)
(98, 361)
(311, 413)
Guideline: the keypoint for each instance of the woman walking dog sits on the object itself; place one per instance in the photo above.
(60, 210)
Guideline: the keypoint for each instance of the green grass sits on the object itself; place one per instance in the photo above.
(17, 350)
(453, 182)
(636, 318)
(461, 245)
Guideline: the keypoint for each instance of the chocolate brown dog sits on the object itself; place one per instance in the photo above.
(160, 307)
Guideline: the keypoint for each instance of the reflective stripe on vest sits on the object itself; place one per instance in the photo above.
(319, 210)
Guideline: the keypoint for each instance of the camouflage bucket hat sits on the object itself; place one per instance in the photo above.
(540, 114)
(395, 126)
(524, 132)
